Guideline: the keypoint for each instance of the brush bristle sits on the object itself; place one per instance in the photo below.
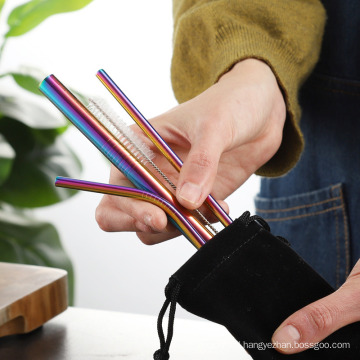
(120, 130)
(125, 135)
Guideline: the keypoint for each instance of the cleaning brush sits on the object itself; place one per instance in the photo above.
(101, 110)
(125, 135)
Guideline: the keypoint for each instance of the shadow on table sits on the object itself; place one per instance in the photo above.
(42, 343)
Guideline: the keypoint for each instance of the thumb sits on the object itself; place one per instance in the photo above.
(197, 175)
(315, 322)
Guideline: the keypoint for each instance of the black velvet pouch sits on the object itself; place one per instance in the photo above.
(249, 280)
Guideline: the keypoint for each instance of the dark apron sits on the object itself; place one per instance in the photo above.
(317, 204)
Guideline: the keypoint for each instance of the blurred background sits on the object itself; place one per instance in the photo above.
(132, 41)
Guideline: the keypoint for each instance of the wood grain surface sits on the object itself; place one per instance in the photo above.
(30, 296)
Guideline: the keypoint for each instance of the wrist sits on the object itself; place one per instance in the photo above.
(254, 86)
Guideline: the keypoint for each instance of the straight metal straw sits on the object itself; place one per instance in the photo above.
(157, 140)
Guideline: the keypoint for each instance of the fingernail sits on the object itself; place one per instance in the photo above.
(286, 337)
(190, 192)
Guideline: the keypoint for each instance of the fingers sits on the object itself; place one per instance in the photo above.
(170, 231)
(115, 214)
(150, 230)
(198, 131)
(318, 320)
(198, 173)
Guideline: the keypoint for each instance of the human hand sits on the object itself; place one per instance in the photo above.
(318, 320)
(223, 136)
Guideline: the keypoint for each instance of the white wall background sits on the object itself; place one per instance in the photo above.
(131, 40)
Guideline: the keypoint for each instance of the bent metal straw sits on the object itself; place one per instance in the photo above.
(170, 210)
(121, 158)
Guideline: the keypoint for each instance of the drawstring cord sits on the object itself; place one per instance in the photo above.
(171, 299)
(246, 219)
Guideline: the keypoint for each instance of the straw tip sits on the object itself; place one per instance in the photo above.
(58, 179)
(51, 76)
(47, 79)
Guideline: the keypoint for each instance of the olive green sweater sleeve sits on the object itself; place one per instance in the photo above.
(210, 36)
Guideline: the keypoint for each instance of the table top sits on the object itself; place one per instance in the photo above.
(84, 334)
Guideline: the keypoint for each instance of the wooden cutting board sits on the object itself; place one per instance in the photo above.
(30, 296)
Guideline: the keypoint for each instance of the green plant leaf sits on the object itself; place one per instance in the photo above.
(25, 240)
(27, 82)
(2, 2)
(41, 155)
(27, 16)
(30, 78)
(7, 155)
(30, 114)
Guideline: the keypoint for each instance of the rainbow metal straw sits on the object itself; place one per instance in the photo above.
(121, 158)
(157, 140)
(174, 213)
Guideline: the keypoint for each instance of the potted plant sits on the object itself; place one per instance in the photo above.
(32, 153)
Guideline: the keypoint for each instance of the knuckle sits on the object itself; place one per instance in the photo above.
(102, 218)
(321, 317)
(202, 160)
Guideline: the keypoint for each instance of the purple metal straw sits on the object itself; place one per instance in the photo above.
(174, 213)
(157, 140)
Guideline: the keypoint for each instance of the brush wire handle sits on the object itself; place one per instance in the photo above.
(157, 140)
